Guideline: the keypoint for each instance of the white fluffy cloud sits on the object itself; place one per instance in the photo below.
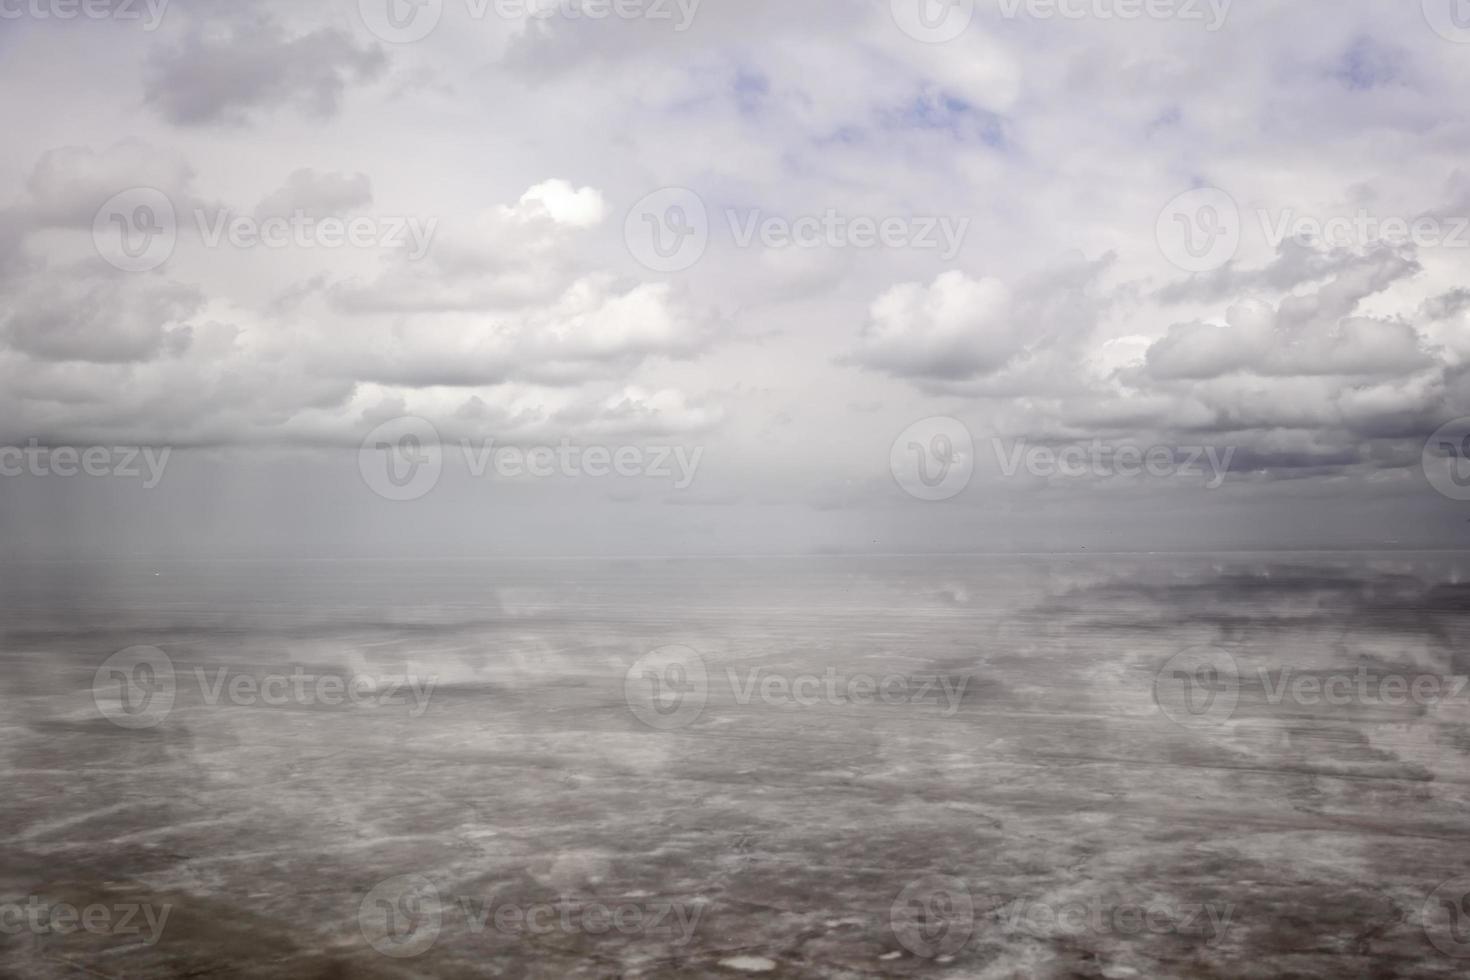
(525, 145)
(954, 328)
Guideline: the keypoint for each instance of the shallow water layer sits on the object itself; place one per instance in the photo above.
(1067, 766)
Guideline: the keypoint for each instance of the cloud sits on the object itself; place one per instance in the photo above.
(487, 260)
(318, 195)
(640, 412)
(225, 76)
(529, 142)
(68, 184)
(1310, 333)
(104, 321)
(953, 329)
(595, 329)
(578, 207)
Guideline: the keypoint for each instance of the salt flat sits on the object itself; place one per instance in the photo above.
(951, 767)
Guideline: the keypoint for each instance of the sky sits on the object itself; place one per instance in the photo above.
(380, 278)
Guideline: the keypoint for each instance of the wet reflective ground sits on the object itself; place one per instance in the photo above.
(1097, 766)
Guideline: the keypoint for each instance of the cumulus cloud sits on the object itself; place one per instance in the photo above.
(489, 259)
(1311, 333)
(578, 207)
(1253, 339)
(592, 330)
(253, 64)
(101, 320)
(954, 328)
(1059, 318)
(1318, 366)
